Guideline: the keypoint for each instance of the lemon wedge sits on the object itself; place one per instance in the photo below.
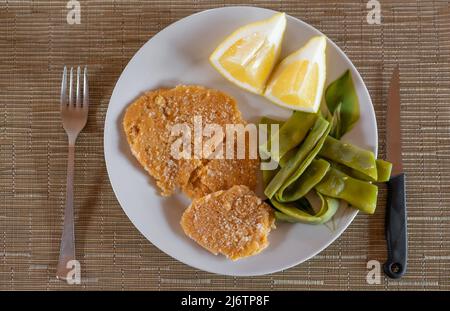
(298, 81)
(249, 54)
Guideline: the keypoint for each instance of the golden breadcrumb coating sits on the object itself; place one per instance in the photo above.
(232, 222)
(147, 124)
(218, 175)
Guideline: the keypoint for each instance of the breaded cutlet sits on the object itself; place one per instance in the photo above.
(216, 175)
(233, 222)
(147, 124)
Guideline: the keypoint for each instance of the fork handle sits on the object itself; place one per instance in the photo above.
(67, 248)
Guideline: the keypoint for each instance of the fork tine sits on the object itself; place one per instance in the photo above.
(63, 99)
(85, 89)
(78, 98)
(71, 87)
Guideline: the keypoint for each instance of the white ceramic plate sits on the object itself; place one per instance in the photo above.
(179, 55)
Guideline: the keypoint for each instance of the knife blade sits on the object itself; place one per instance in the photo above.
(396, 224)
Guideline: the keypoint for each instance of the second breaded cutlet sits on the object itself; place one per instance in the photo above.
(234, 222)
(147, 124)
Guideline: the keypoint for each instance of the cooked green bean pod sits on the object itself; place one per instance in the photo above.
(360, 194)
(349, 155)
(291, 133)
(342, 102)
(265, 148)
(269, 121)
(290, 212)
(306, 182)
(383, 171)
(287, 156)
(303, 165)
(283, 217)
(317, 133)
(268, 174)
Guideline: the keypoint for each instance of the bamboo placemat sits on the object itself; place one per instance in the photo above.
(35, 42)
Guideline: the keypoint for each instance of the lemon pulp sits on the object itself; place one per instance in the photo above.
(248, 55)
(297, 85)
(250, 60)
(299, 79)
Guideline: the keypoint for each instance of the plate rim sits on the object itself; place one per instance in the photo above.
(337, 234)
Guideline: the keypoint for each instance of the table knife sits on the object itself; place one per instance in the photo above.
(396, 221)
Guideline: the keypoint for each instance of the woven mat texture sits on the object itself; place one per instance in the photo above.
(35, 43)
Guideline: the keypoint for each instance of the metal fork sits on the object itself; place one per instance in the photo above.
(74, 114)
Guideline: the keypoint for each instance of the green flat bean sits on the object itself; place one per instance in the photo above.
(360, 194)
(318, 131)
(289, 211)
(283, 217)
(291, 133)
(267, 120)
(266, 147)
(306, 182)
(383, 171)
(303, 163)
(268, 174)
(349, 155)
(342, 102)
(284, 160)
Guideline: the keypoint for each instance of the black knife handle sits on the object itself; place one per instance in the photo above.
(396, 228)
